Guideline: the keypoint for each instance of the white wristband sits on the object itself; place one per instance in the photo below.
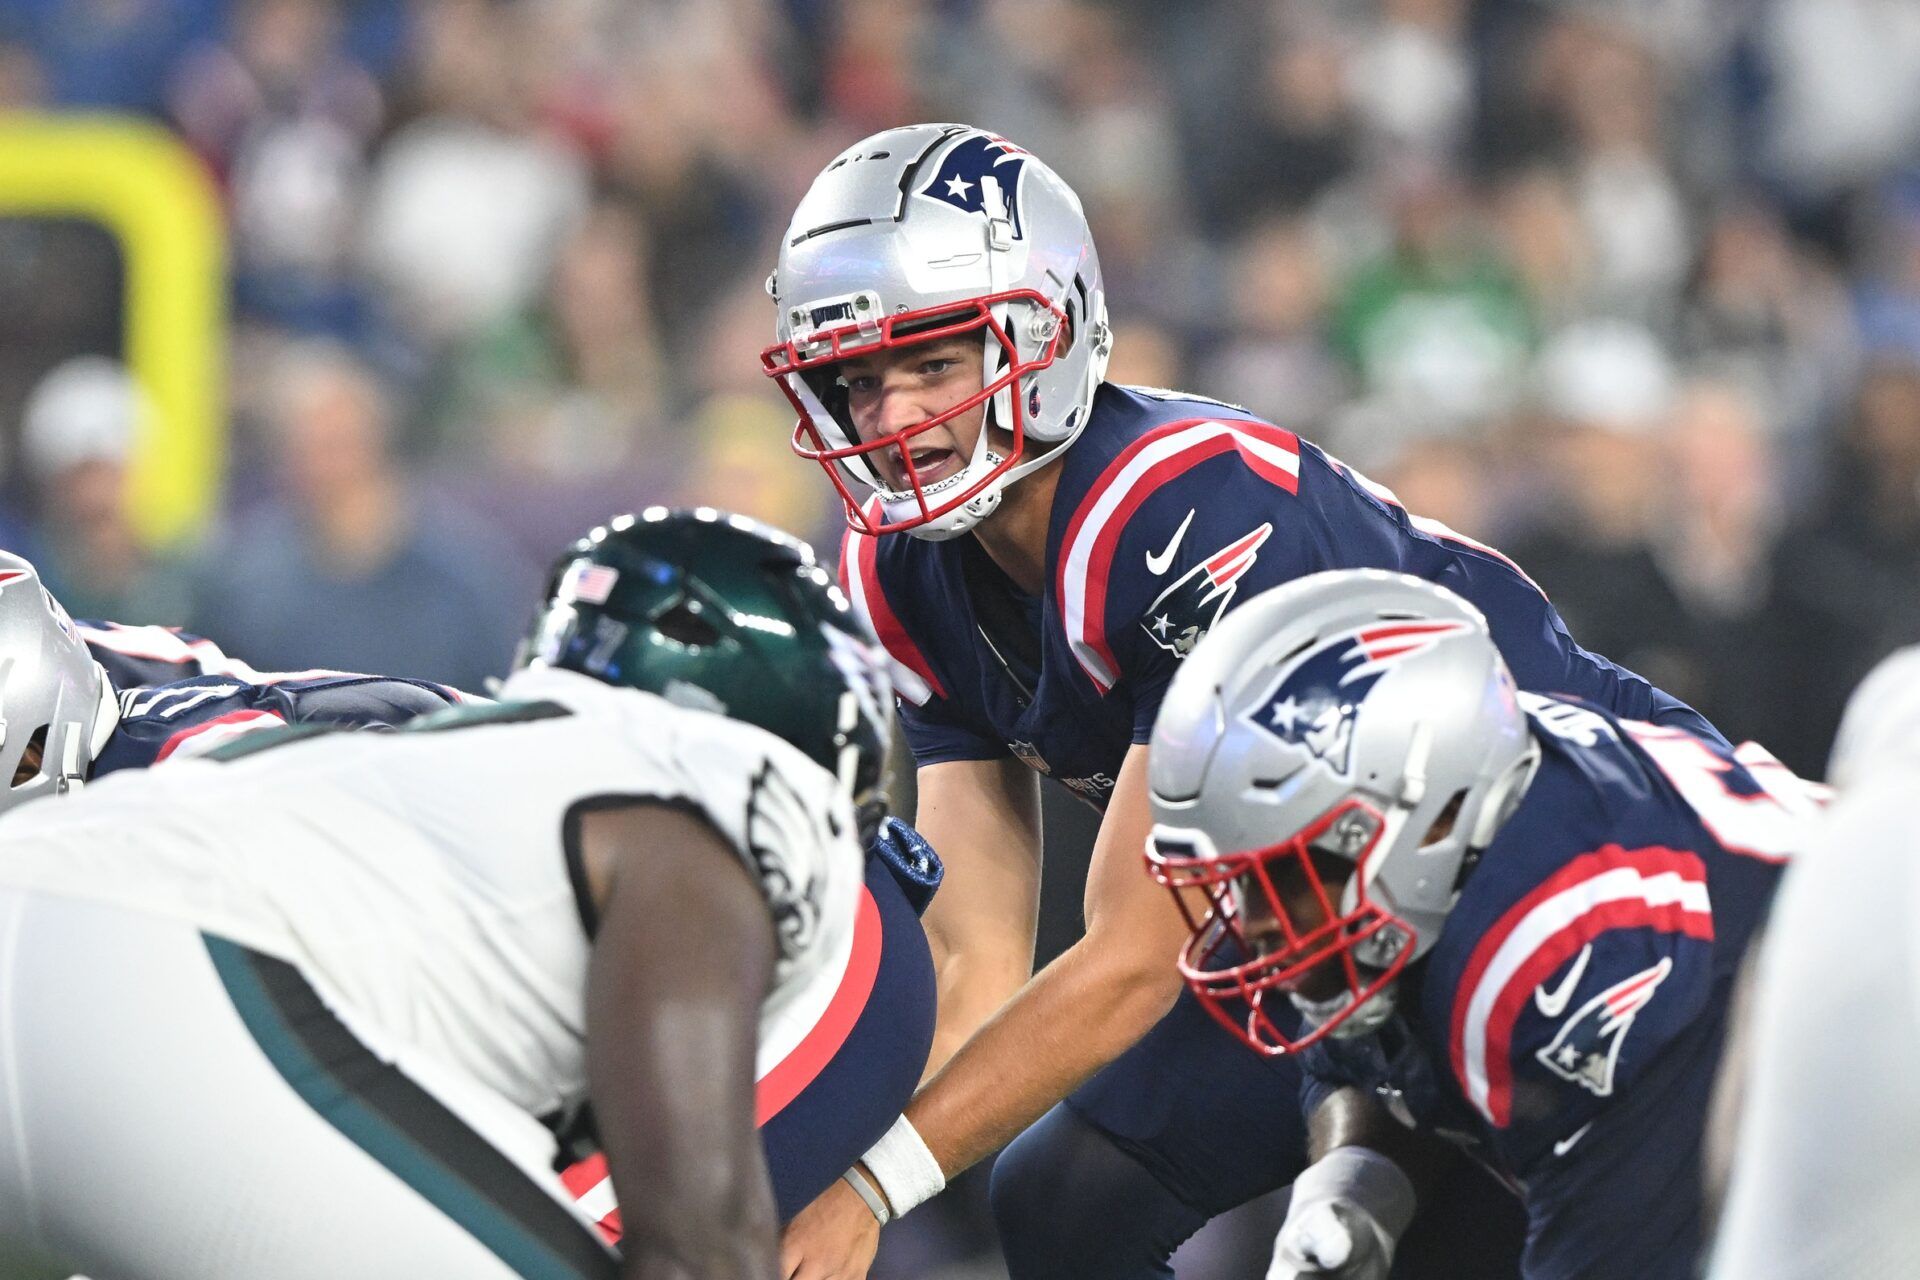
(903, 1166)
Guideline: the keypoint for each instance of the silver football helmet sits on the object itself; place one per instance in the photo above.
(1325, 770)
(924, 234)
(57, 707)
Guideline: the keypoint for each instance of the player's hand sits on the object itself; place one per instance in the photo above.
(1348, 1211)
(915, 867)
(1330, 1239)
(834, 1238)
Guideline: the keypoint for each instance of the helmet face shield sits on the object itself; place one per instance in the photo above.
(1292, 919)
(807, 369)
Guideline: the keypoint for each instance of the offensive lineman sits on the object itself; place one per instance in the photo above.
(1516, 919)
(307, 1010)
(82, 700)
(942, 334)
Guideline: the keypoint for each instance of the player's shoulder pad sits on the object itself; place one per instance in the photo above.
(150, 655)
(357, 700)
(1612, 940)
(183, 719)
(868, 576)
(1169, 526)
(785, 815)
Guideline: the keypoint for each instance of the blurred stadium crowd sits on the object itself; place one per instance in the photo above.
(1629, 288)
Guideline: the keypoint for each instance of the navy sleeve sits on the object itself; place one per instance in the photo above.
(1546, 659)
(188, 718)
(141, 657)
(1579, 990)
(935, 729)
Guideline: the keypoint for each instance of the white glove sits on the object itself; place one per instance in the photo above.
(1347, 1212)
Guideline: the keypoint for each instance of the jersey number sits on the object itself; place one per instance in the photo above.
(1762, 820)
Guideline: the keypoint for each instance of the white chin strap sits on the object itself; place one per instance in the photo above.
(904, 506)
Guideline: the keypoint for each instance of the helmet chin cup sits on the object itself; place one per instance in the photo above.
(1263, 923)
(905, 507)
(1350, 1019)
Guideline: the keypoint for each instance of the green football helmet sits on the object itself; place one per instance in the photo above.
(721, 613)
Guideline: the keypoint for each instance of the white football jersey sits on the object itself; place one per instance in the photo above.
(427, 882)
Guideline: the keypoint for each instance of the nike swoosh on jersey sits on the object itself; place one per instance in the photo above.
(1554, 1003)
(1157, 565)
(1565, 1144)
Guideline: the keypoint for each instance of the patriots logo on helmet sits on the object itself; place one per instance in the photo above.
(1182, 614)
(981, 175)
(1587, 1048)
(1314, 702)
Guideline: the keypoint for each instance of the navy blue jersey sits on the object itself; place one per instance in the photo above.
(1169, 510)
(190, 717)
(135, 657)
(1568, 1023)
(180, 695)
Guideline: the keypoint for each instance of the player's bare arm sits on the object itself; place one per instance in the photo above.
(1077, 1014)
(671, 1029)
(984, 818)
(1352, 1117)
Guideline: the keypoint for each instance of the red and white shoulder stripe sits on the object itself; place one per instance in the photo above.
(193, 654)
(1611, 888)
(913, 677)
(1087, 551)
(199, 739)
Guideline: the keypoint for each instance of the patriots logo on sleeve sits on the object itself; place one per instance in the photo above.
(1314, 702)
(1587, 1047)
(1182, 614)
(981, 175)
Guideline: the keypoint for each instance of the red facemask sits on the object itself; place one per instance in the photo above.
(1247, 943)
(791, 363)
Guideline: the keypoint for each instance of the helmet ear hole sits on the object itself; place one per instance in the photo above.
(31, 759)
(1443, 824)
(683, 625)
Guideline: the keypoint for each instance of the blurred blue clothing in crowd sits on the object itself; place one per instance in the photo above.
(447, 603)
(114, 54)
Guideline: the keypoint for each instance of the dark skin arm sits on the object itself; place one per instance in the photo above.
(1352, 1117)
(681, 963)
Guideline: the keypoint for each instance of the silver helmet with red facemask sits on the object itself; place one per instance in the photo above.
(921, 235)
(1324, 772)
(57, 707)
